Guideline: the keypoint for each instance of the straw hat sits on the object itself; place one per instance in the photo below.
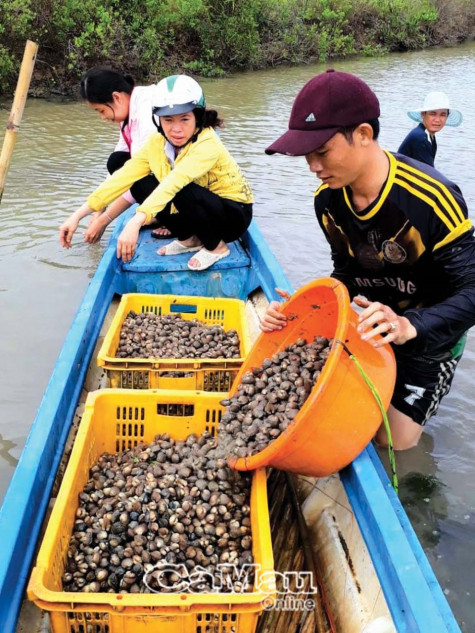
(437, 101)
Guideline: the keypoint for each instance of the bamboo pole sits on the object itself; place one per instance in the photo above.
(16, 113)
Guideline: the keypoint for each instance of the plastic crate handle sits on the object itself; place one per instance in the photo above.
(181, 307)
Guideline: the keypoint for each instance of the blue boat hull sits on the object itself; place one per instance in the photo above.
(413, 595)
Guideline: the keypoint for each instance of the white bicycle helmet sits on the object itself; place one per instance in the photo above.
(177, 94)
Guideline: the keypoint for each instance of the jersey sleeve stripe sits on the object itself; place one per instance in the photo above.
(438, 201)
(460, 230)
(445, 217)
(425, 180)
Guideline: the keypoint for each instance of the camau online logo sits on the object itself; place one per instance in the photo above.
(291, 589)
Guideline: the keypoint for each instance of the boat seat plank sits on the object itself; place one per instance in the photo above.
(154, 274)
(147, 260)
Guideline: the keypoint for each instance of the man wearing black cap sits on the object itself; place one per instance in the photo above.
(399, 235)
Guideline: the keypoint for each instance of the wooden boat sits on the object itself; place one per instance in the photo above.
(373, 571)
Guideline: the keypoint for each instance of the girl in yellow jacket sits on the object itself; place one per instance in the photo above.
(202, 196)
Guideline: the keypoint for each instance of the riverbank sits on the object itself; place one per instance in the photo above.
(159, 37)
(60, 157)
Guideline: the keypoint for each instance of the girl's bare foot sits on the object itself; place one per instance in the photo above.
(161, 232)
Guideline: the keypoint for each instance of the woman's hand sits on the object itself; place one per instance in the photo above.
(273, 319)
(97, 226)
(67, 230)
(378, 318)
(129, 237)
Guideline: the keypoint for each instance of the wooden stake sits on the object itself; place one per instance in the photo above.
(16, 113)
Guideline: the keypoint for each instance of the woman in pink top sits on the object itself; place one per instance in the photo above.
(115, 98)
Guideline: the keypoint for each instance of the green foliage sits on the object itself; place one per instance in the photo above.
(203, 68)
(6, 67)
(401, 24)
(15, 20)
(151, 38)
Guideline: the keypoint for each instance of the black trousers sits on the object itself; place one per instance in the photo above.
(201, 212)
(206, 215)
(140, 189)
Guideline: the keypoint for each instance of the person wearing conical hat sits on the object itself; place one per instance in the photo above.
(434, 114)
(400, 240)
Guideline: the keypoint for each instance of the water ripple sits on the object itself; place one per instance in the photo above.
(60, 158)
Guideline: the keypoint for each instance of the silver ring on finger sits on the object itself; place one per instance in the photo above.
(392, 326)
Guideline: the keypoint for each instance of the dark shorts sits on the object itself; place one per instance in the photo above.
(422, 382)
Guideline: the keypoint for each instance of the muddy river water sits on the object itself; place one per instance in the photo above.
(60, 157)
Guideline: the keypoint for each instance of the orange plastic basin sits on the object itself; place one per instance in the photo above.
(341, 415)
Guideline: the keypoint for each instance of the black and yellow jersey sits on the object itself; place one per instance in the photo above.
(412, 249)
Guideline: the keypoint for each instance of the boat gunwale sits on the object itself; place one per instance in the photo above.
(23, 510)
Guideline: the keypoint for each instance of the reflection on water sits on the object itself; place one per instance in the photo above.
(60, 157)
(421, 491)
(5, 447)
(423, 497)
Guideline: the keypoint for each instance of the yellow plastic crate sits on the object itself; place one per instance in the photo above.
(115, 420)
(199, 374)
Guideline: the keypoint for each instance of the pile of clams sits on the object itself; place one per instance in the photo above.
(269, 397)
(146, 335)
(167, 517)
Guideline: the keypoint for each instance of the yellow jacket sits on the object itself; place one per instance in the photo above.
(205, 162)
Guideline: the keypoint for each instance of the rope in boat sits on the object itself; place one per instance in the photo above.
(374, 391)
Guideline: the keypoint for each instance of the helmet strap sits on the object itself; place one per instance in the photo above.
(160, 131)
(159, 127)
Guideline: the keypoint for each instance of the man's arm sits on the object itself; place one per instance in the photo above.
(447, 321)
(342, 270)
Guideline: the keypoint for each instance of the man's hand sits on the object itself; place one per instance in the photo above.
(97, 226)
(378, 318)
(67, 230)
(273, 318)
